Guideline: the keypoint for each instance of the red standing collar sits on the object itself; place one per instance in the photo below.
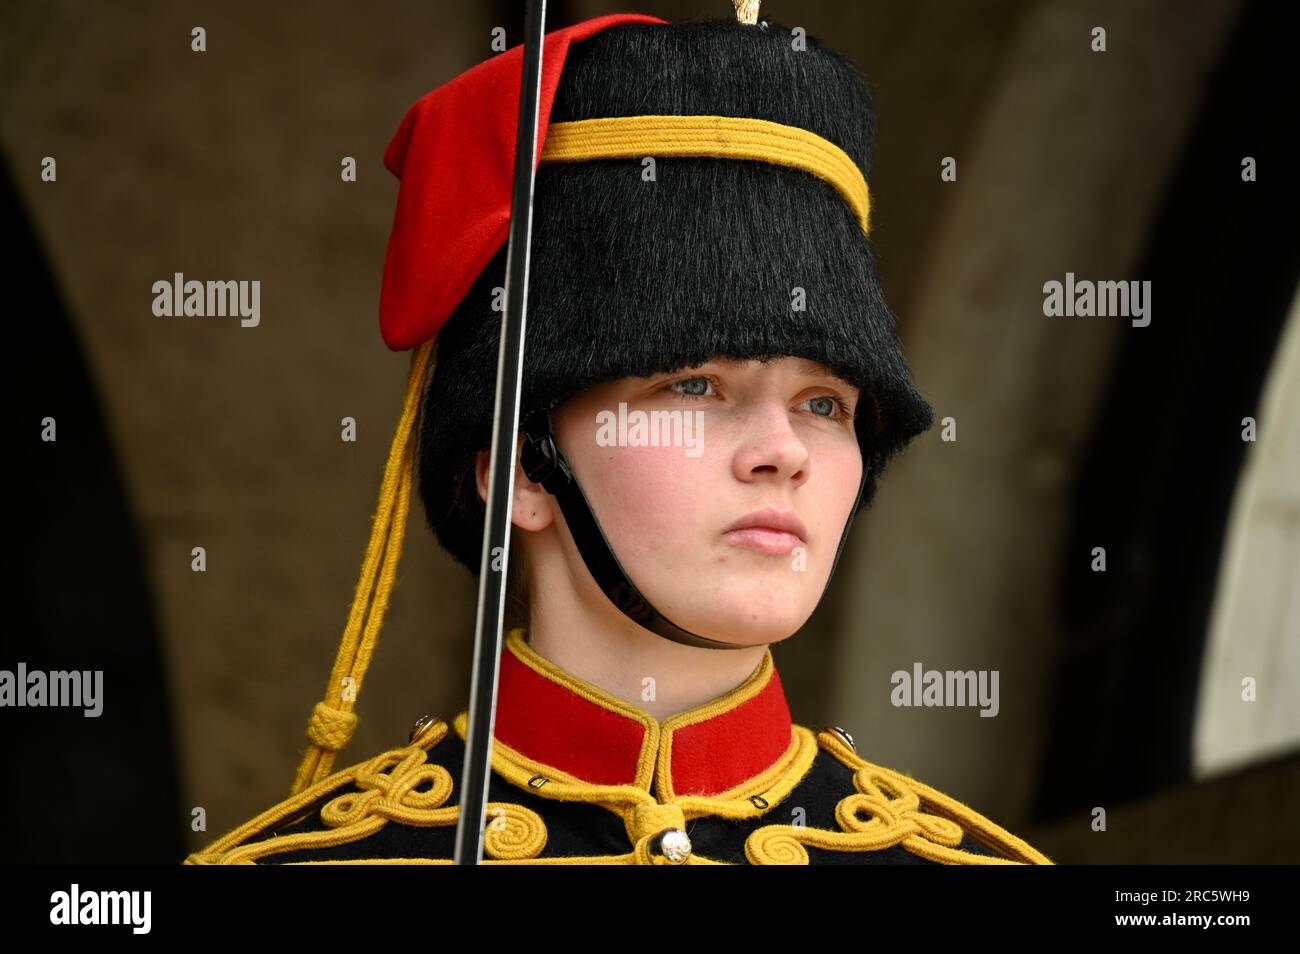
(550, 716)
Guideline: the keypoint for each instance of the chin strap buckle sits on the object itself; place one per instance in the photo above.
(541, 458)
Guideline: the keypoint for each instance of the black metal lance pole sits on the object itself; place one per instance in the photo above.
(501, 470)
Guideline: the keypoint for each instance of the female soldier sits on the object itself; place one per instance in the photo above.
(712, 387)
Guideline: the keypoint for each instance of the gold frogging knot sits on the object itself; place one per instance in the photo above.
(513, 832)
(746, 11)
(892, 813)
(881, 813)
(389, 789)
(329, 728)
(659, 834)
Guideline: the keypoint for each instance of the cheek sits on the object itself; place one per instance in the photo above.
(656, 499)
(840, 472)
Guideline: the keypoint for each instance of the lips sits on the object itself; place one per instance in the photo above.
(768, 530)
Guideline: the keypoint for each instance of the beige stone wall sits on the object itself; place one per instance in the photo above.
(226, 165)
(957, 568)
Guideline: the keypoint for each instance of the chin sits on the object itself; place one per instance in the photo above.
(745, 622)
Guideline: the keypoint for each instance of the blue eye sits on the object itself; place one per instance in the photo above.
(691, 393)
(835, 404)
(698, 386)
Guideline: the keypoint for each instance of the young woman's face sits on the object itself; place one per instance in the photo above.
(671, 462)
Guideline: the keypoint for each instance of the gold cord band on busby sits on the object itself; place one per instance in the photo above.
(333, 720)
(714, 137)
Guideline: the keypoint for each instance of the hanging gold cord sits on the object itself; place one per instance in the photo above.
(333, 721)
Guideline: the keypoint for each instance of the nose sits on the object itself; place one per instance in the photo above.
(770, 448)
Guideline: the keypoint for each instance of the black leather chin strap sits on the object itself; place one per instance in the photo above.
(544, 463)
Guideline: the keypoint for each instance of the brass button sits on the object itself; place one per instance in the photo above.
(673, 844)
(848, 739)
(421, 728)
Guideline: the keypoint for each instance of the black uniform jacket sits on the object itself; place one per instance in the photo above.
(581, 777)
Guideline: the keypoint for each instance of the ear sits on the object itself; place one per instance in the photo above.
(533, 508)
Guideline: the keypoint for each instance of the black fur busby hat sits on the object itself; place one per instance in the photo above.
(633, 276)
